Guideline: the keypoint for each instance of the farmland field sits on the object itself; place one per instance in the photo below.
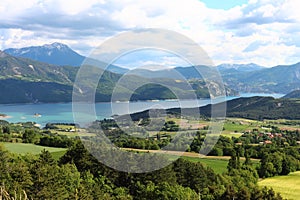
(22, 148)
(70, 131)
(288, 186)
(218, 165)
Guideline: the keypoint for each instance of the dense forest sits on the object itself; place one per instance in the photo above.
(78, 175)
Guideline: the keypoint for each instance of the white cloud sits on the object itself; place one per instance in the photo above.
(224, 34)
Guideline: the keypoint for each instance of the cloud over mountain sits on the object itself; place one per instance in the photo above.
(224, 34)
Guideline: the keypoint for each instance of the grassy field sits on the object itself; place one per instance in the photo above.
(22, 148)
(58, 154)
(70, 131)
(218, 165)
(288, 186)
(238, 125)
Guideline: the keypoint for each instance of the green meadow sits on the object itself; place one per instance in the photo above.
(21, 148)
(288, 186)
(218, 165)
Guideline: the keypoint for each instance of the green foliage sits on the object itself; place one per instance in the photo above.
(61, 141)
(277, 163)
(30, 136)
(79, 176)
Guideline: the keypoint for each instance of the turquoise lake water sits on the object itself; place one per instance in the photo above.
(62, 112)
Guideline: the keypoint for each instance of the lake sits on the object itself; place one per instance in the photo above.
(62, 112)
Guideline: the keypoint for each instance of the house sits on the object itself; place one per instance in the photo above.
(278, 134)
(267, 142)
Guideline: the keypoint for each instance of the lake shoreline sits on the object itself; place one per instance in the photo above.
(63, 112)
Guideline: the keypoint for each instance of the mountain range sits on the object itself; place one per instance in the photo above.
(293, 95)
(278, 79)
(233, 68)
(57, 63)
(59, 54)
(62, 55)
(56, 54)
(23, 80)
(255, 79)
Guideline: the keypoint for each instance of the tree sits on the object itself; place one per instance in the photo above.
(30, 136)
(4, 166)
(19, 176)
(233, 161)
(244, 194)
(286, 167)
(216, 152)
(229, 193)
(193, 175)
(6, 129)
(164, 190)
(247, 160)
(51, 180)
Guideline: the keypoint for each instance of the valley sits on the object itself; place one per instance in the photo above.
(258, 140)
(149, 100)
(253, 136)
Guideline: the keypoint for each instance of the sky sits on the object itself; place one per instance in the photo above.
(265, 32)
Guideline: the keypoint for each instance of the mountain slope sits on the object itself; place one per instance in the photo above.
(243, 78)
(192, 72)
(18, 91)
(293, 95)
(230, 68)
(58, 54)
(239, 77)
(198, 71)
(27, 81)
(30, 70)
(257, 108)
(260, 108)
(278, 79)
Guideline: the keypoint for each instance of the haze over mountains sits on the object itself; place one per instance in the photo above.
(293, 95)
(55, 66)
(23, 80)
(60, 54)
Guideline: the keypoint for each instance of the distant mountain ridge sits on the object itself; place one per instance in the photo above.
(293, 95)
(247, 78)
(257, 108)
(240, 67)
(278, 79)
(58, 54)
(55, 53)
(243, 78)
(23, 80)
(197, 71)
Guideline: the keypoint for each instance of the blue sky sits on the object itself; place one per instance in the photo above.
(223, 4)
(265, 32)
